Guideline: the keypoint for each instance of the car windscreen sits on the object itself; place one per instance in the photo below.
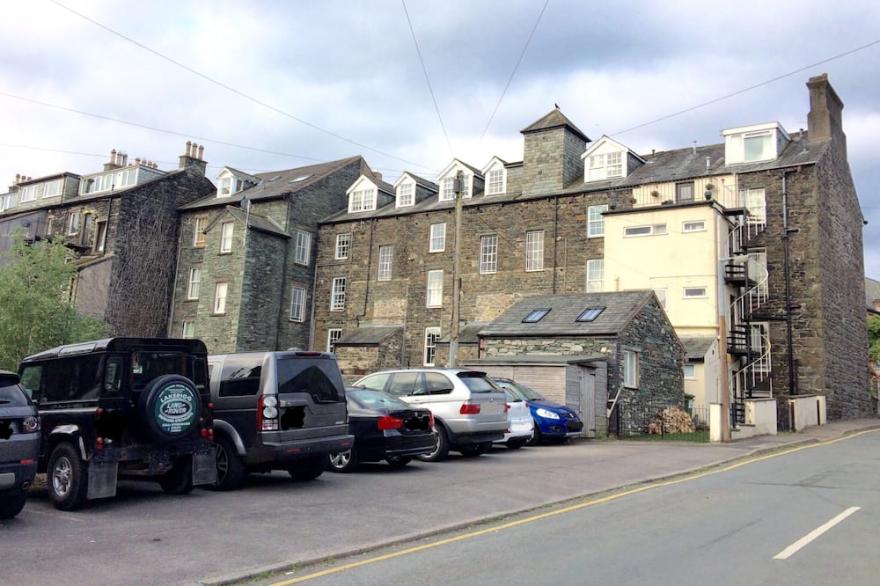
(146, 366)
(376, 400)
(527, 393)
(12, 396)
(319, 377)
(477, 382)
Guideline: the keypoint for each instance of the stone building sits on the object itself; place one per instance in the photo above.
(540, 227)
(122, 221)
(245, 255)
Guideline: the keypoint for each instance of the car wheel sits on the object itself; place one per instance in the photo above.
(345, 461)
(11, 503)
(441, 448)
(398, 462)
(308, 469)
(537, 438)
(67, 478)
(230, 469)
(179, 480)
(515, 444)
(472, 450)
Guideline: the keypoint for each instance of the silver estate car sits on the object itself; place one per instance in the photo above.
(470, 411)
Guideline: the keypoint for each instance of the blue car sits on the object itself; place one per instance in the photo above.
(553, 422)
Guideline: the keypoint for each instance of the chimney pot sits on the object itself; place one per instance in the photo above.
(201, 156)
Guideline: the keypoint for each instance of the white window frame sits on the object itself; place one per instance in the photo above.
(441, 237)
(434, 288)
(337, 293)
(596, 227)
(101, 236)
(631, 369)
(333, 336)
(689, 366)
(652, 230)
(57, 184)
(226, 237)
(302, 252)
(26, 194)
(689, 226)
(432, 336)
(534, 251)
(496, 181)
(362, 200)
(386, 262)
(194, 284)
(190, 325)
(614, 168)
(447, 187)
(220, 300)
(749, 197)
(592, 284)
(297, 303)
(488, 254)
(199, 225)
(767, 137)
(406, 194)
(343, 246)
(704, 295)
(74, 223)
(225, 186)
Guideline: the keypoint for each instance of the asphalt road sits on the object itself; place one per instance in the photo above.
(146, 537)
(818, 508)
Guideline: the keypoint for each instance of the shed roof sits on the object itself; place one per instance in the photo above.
(695, 347)
(468, 334)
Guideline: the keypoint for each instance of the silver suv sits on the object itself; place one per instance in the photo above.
(470, 412)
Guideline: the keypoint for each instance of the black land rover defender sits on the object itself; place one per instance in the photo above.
(277, 411)
(122, 407)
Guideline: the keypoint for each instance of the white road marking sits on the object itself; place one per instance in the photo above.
(812, 535)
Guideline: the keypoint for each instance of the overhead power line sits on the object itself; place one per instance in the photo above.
(230, 88)
(427, 78)
(515, 68)
(747, 89)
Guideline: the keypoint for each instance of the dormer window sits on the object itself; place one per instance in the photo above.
(447, 187)
(224, 189)
(406, 194)
(757, 146)
(609, 159)
(495, 182)
(752, 144)
(606, 166)
(362, 200)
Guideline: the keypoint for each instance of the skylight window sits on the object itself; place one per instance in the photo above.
(590, 314)
(536, 315)
(300, 178)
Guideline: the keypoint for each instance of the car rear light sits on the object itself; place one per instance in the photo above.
(99, 412)
(470, 409)
(99, 443)
(506, 407)
(27, 462)
(204, 433)
(430, 420)
(267, 413)
(387, 422)
(31, 424)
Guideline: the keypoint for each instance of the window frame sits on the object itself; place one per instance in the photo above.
(386, 265)
(199, 225)
(536, 315)
(442, 238)
(101, 236)
(631, 372)
(704, 288)
(194, 284)
(410, 195)
(488, 254)
(301, 305)
(365, 198)
(437, 288)
(588, 279)
(219, 308)
(340, 244)
(534, 256)
(680, 186)
(302, 248)
(74, 227)
(192, 328)
(500, 183)
(431, 333)
(693, 368)
(590, 314)
(591, 222)
(226, 239)
(652, 230)
(614, 170)
(685, 223)
(766, 137)
(337, 296)
(333, 336)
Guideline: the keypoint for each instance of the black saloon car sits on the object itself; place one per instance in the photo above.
(384, 428)
(19, 445)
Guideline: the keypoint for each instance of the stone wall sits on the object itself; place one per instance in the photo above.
(262, 291)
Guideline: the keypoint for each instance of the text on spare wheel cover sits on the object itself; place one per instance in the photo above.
(174, 409)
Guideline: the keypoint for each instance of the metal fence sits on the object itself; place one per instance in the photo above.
(660, 423)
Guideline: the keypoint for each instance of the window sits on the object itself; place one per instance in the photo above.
(758, 146)
(333, 335)
(53, 188)
(226, 237)
(590, 314)
(297, 303)
(536, 315)
(597, 162)
(694, 292)
(434, 296)
(755, 203)
(224, 186)
(386, 256)
(343, 245)
(653, 230)
(431, 337)
(437, 239)
(535, 250)
(595, 275)
(631, 369)
(488, 254)
(375, 382)
(495, 182)
(689, 371)
(362, 200)
(199, 225)
(188, 330)
(661, 297)
(406, 194)
(595, 220)
(73, 222)
(220, 290)
(88, 222)
(605, 166)
(101, 237)
(695, 226)
(240, 376)
(303, 248)
(26, 194)
(613, 165)
(684, 192)
(447, 187)
(437, 384)
(318, 377)
(337, 294)
(195, 280)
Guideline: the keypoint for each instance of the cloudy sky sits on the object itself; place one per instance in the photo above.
(351, 68)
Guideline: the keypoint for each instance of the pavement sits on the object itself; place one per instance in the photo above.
(146, 537)
(804, 517)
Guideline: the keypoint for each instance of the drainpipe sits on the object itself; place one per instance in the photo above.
(369, 271)
(555, 238)
(786, 243)
(284, 273)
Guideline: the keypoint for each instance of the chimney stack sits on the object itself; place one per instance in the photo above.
(113, 163)
(377, 175)
(193, 157)
(825, 120)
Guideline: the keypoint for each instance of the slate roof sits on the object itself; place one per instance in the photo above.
(242, 174)
(872, 293)
(275, 184)
(368, 335)
(257, 221)
(422, 182)
(620, 308)
(468, 334)
(553, 119)
(695, 347)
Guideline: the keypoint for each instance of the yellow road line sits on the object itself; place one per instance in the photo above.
(589, 502)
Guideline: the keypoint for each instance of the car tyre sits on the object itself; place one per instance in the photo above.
(515, 444)
(398, 462)
(231, 471)
(308, 469)
(179, 479)
(345, 461)
(441, 449)
(67, 477)
(475, 450)
(11, 503)
(537, 438)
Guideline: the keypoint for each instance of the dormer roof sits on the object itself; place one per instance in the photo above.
(241, 174)
(554, 119)
(456, 162)
(605, 139)
(373, 182)
(420, 181)
(492, 161)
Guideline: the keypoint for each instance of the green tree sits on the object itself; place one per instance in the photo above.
(35, 308)
(874, 337)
